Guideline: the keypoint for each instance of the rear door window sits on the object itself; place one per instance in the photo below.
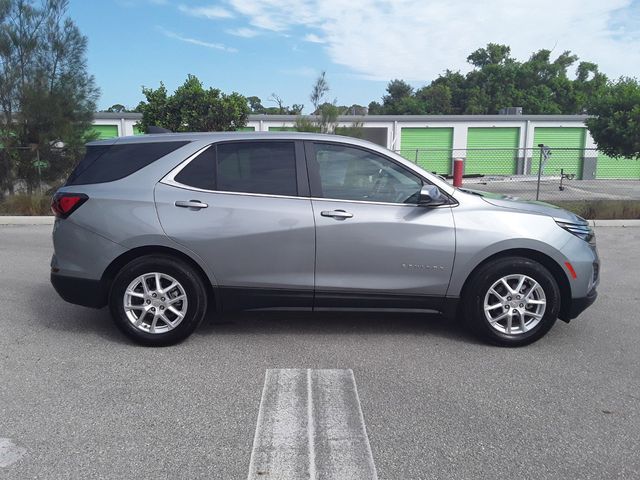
(244, 167)
(200, 172)
(106, 163)
(257, 167)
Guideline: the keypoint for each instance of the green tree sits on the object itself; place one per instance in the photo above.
(493, 54)
(117, 108)
(281, 108)
(435, 99)
(354, 109)
(255, 105)
(318, 92)
(615, 126)
(46, 93)
(325, 114)
(539, 85)
(192, 108)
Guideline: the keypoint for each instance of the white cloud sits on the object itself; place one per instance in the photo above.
(243, 32)
(313, 38)
(211, 12)
(385, 39)
(195, 41)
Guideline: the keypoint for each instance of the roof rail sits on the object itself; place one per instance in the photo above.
(154, 129)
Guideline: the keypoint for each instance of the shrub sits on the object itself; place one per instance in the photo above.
(24, 204)
(604, 209)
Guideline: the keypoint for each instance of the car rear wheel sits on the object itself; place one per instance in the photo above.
(157, 300)
(512, 301)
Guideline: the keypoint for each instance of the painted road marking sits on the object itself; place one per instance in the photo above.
(310, 426)
(9, 452)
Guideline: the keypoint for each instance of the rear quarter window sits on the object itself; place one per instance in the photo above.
(107, 163)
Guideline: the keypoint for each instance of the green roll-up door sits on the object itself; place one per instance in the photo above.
(430, 148)
(492, 150)
(282, 129)
(105, 131)
(624, 168)
(567, 149)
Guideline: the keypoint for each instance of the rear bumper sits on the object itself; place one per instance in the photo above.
(81, 291)
(579, 305)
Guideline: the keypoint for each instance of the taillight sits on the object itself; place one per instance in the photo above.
(64, 204)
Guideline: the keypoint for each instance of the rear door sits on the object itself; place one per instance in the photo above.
(244, 208)
(375, 247)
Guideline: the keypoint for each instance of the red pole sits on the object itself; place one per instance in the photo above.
(458, 168)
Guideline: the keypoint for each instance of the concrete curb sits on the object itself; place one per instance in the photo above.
(48, 220)
(27, 220)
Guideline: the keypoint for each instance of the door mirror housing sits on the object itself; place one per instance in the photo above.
(431, 196)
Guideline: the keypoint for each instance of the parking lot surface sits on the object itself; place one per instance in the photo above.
(525, 187)
(78, 400)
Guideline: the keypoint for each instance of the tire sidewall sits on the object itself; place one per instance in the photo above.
(491, 273)
(184, 274)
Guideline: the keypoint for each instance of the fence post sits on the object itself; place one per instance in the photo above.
(417, 150)
(458, 169)
(539, 173)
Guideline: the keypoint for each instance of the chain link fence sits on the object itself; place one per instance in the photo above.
(546, 173)
(564, 176)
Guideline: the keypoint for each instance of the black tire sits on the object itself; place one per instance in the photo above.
(189, 280)
(486, 276)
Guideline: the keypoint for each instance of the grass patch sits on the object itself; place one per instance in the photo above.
(603, 209)
(26, 205)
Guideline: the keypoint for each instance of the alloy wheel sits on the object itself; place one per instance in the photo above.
(514, 304)
(155, 303)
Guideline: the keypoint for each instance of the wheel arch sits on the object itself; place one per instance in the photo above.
(119, 262)
(549, 263)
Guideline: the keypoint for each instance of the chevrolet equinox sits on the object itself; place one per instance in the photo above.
(163, 228)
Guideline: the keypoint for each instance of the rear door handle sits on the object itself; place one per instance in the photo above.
(196, 204)
(341, 214)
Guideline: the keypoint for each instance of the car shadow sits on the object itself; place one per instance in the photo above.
(336, 323)
(60, 315)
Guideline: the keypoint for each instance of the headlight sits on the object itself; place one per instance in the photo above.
(585, 232)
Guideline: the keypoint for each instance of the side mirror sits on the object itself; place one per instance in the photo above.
(430, 195)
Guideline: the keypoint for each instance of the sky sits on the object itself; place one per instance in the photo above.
(261, 47)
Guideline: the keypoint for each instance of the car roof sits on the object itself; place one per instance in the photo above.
(222, 136)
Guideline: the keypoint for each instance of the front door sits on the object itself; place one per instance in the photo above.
(375, 247)
(238, 206)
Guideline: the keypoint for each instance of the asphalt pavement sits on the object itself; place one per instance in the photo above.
(78, 400)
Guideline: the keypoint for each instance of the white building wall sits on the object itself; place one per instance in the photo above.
(394, 128)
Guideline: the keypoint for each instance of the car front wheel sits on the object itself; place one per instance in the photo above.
(512, 302)
(157, 300)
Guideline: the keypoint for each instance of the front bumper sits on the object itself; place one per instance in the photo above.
(579, 305)
(81, 291)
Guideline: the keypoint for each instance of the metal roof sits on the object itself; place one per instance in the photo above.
(385, 118)
(430, 118)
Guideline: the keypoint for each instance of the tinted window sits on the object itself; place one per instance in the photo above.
(113, 162)
(353, 174)
(257, 167)
(200, 172)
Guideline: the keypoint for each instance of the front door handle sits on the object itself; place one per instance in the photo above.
(340, 214)
(196, 204)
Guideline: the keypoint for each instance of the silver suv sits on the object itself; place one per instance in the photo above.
(163, 228)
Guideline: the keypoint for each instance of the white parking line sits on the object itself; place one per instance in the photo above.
(310, 425)
(9, 453)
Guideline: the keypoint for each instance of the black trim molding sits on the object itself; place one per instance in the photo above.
(241, 299)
